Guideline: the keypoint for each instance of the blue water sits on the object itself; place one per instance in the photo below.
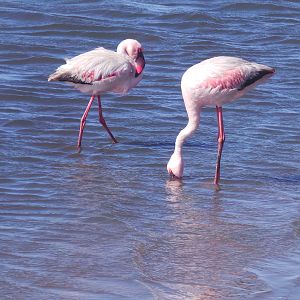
(108, 223)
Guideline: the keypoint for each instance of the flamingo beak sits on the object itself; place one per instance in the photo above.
(172, 174)
(140, 63)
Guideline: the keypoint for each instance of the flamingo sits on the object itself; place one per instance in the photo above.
(215, 81)
(102, 70)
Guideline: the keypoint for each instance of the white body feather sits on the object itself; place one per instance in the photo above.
(98, 71)
(217, 81)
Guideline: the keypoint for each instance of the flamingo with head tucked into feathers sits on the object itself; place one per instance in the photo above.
(215, 81)
(102, 70)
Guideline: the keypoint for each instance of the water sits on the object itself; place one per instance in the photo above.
(108, 223)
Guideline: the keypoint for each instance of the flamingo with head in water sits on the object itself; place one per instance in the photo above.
(102, 70)
(215, 81)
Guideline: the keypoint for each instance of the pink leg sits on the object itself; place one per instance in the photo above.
(221, 140)
(102, 121)
(83, 121)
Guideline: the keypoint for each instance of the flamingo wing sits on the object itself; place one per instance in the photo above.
(91, 67)
(232, 73)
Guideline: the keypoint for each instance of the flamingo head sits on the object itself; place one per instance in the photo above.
(175, 166)
(133, 49)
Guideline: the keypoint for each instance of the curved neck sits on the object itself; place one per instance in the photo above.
(121, 49)
(187, 131)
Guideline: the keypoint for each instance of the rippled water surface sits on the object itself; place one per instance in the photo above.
(108, 223)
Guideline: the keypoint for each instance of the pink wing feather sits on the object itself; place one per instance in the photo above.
(91, 67)
(232, 73)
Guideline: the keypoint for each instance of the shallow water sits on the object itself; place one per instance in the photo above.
(108, 223)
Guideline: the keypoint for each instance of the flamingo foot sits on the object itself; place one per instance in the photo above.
(217, 187)
(114, 141)
(216, 179)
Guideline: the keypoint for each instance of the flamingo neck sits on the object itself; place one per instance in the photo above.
(186, 132)
(121, 49)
